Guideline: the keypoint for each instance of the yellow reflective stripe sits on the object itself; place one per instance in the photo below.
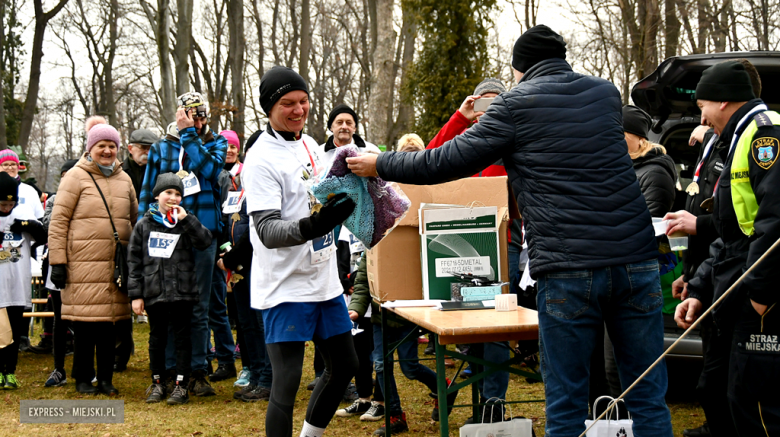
(742, 196)
(761, 415)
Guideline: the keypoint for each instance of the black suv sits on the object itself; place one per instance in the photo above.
(668, 96)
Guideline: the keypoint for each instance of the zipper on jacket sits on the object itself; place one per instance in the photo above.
(113, 297)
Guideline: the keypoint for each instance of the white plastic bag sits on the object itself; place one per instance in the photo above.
(608, 427)
(511, 428)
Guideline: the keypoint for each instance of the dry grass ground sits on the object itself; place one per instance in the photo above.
(222, 416)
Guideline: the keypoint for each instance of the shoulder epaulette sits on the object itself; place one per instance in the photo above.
(762, 120)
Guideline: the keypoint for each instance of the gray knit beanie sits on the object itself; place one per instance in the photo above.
(166, 181)
(489, 85)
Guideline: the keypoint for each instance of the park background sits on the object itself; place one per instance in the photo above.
(403, 65)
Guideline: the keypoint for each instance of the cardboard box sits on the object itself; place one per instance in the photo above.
(394, 265)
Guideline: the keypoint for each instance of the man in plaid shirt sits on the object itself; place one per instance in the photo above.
(197, 156)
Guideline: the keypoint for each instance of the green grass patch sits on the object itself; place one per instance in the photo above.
(222, 416)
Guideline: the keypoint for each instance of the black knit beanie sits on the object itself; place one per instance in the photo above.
(166, 181)
(636, 121)
(69, 164)
(535, 45)
(277, 82)
(725, 82)
(341, 109)
(9, 188)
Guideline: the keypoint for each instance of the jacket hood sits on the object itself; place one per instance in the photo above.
(657, 157)
(91, 166)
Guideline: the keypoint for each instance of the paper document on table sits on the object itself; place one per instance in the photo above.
(413, 303)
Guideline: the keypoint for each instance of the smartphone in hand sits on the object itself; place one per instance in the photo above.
(481, 105)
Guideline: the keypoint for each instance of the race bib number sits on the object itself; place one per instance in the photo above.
(12, 239)
(232, 203)
(355, 245)
(323, 248)
(191, 184)
(161, 245)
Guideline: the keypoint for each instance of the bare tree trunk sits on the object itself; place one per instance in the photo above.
(261, 48)
(734, 37)
(3, 138)
(41, 21)
(235, 62)
(381, 75)
(671, 29)
(108, 67)
(405, 117)
(765, 23)
(181, 51)
(371, 6)
(295, 35)
(274, 25)
(303, 62)
(704, 25)
(682, 7)
(651, 24)
(160, 21)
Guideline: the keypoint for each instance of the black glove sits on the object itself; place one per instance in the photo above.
(32, 227)
(59, 275)
(332, 214)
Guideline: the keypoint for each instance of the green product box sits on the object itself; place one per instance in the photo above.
(457, 239)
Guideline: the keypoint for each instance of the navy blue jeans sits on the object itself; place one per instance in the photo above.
(574, 306)
(496, 384)
(224, 345)
(410, 369)
(253, 348)
(204, 268)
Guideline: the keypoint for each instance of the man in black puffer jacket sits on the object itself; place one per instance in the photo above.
(591, 242)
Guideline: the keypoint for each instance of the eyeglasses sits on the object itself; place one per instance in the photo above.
(10, 164)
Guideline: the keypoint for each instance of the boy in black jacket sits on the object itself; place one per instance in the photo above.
(161, 262)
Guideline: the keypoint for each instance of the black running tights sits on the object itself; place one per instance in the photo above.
(341, 363)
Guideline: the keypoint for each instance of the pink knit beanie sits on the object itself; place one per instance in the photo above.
(232, 138)
(100, 132)
(8, 155)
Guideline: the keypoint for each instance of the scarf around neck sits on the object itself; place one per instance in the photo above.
(159, 217)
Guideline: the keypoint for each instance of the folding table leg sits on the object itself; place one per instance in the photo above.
(476, 410)
(387, 370)
(441, 387)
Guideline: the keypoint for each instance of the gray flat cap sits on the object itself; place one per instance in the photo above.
(143, 136)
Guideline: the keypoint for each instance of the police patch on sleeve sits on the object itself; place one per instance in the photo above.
(764, 151)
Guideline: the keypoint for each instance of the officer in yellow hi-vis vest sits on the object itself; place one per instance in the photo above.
(746, 216)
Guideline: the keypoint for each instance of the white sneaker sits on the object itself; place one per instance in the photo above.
(357, 407)
(375, 413)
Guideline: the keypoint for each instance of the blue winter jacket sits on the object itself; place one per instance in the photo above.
(205, 156)
(560, 135)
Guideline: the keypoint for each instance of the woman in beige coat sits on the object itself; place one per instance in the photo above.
(81, 254)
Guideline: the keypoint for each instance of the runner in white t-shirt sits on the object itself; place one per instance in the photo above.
(28, 196)
(18, 228)
(294, 278)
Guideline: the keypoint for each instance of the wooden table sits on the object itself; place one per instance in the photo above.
(462, 327)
